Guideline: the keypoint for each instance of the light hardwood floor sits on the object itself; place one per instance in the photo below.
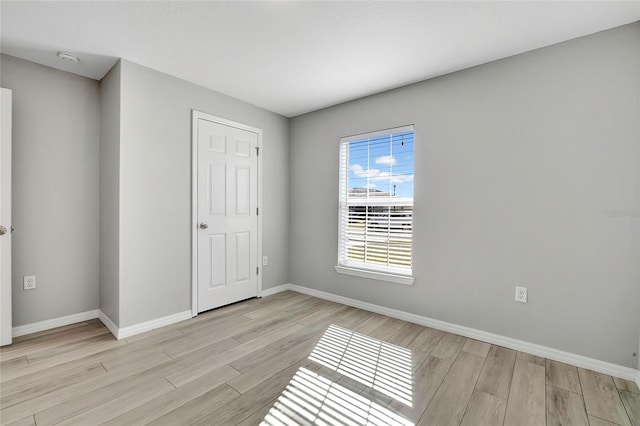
(295, 359)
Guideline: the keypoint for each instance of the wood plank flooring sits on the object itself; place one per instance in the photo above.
(295, 359)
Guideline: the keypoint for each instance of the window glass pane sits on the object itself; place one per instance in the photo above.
(377, 208)
(381, 166)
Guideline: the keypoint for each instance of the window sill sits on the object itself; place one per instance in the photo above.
(375, 275)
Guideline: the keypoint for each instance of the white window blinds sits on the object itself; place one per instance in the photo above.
(376, 201)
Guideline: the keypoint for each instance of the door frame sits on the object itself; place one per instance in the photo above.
(195, 116)
(6, 106)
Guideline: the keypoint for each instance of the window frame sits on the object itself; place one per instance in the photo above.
(367, 270)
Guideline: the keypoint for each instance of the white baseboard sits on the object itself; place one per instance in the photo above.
(113, 328)
(496, 339)
(119, 333)
(132, 330)
(35, 327)
(273, 290)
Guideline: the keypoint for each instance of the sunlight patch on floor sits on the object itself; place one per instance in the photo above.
(310, 399)
(382, 366)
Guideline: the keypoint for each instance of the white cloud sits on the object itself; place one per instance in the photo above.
(394, 178)
(402, 179)
(386, 159)
(377, 175)
(360, 172)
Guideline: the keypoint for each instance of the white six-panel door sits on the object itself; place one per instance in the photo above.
(227, 212)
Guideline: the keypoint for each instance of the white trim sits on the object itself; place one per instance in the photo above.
(132, 330)
(195, 115)
(508, 342)
(376, 133)
(6, 324)
(273, 290)
(142, 327)
(375, 275)
(35, 327)
(496, 339)
(365, 269)
(113, 328)
(261, 211)
(194, 213)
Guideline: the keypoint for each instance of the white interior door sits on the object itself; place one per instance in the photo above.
(227, 212)
(5, 217)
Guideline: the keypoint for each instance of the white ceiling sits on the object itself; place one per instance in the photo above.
(296, 57)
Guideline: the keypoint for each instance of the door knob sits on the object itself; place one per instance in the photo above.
(203, 226)
(3, 230)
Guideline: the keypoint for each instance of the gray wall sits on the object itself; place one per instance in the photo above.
(516, 162)
(155, 185)
(110, 194)
(55, 190)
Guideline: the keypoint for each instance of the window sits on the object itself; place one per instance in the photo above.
(376, 205)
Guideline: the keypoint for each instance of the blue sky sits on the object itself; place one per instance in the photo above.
(384, 163)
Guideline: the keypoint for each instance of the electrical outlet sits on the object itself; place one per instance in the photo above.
(521, 294)
(265, 260)
(29, 282)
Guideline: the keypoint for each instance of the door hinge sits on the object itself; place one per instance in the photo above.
(258, 151)
(257, 269)
(257, 211)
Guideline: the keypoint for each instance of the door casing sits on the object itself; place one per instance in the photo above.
(195, 116)
(5, 216)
